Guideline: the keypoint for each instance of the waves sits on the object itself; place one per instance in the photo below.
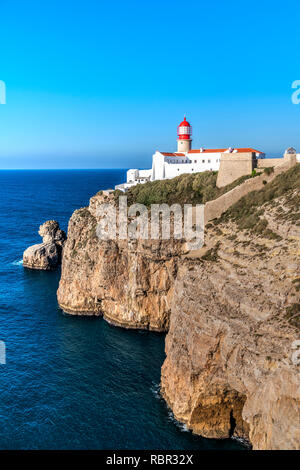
(155, 389)
(17, 263)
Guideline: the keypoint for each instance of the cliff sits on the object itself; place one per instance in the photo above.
(231, 309)
(231, 366)
(130, 284)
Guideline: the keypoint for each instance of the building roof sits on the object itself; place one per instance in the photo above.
(239, 150)
(172, 154)
(208, 151)
(180, 154)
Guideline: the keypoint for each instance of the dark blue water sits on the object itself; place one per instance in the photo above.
(71, 382)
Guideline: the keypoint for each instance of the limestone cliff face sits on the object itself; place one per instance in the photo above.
(231, 310)
(129, 283)
(230, 367)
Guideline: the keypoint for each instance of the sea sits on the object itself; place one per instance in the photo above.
(71, 382)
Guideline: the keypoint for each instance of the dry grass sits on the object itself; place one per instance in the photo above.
(248, 210)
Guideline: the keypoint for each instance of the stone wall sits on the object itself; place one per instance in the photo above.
(215, 208)
(235, 165)
(268, 162)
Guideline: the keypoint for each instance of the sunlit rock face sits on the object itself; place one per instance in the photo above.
(232, 363)
(130, 282)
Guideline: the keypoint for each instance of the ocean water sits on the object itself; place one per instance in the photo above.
(72, 382)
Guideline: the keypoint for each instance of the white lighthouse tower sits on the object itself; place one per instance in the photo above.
(184, 133)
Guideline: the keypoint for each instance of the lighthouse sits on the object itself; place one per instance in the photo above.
(168, 165)
(184, 133)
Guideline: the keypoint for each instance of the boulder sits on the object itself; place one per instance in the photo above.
(47, 255)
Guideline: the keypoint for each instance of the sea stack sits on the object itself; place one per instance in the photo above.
(46, 256)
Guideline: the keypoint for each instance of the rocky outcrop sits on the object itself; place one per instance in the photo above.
(230, 365)
(130, 283)
(47, 255)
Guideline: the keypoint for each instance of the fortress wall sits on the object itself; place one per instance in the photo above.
(268, 162)
(233, 166)
(215, 208)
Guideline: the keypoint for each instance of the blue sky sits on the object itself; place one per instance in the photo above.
(94, 84)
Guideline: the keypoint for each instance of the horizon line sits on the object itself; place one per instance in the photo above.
(60, 169)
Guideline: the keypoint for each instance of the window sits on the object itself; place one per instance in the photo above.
(203, 161)
(208, 161)
(195, 161)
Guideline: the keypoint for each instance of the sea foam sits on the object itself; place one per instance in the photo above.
(17, 263)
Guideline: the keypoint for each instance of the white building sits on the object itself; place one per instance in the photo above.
(167, 165)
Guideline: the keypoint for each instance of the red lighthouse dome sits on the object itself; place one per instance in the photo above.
(184, 136)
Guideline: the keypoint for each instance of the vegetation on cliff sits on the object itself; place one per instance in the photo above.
(248, 211)
(195, 188)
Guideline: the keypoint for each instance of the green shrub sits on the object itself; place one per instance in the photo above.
(84, 212)
(269, 170)
(293, 315)
(297, 283)
(212, 254)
